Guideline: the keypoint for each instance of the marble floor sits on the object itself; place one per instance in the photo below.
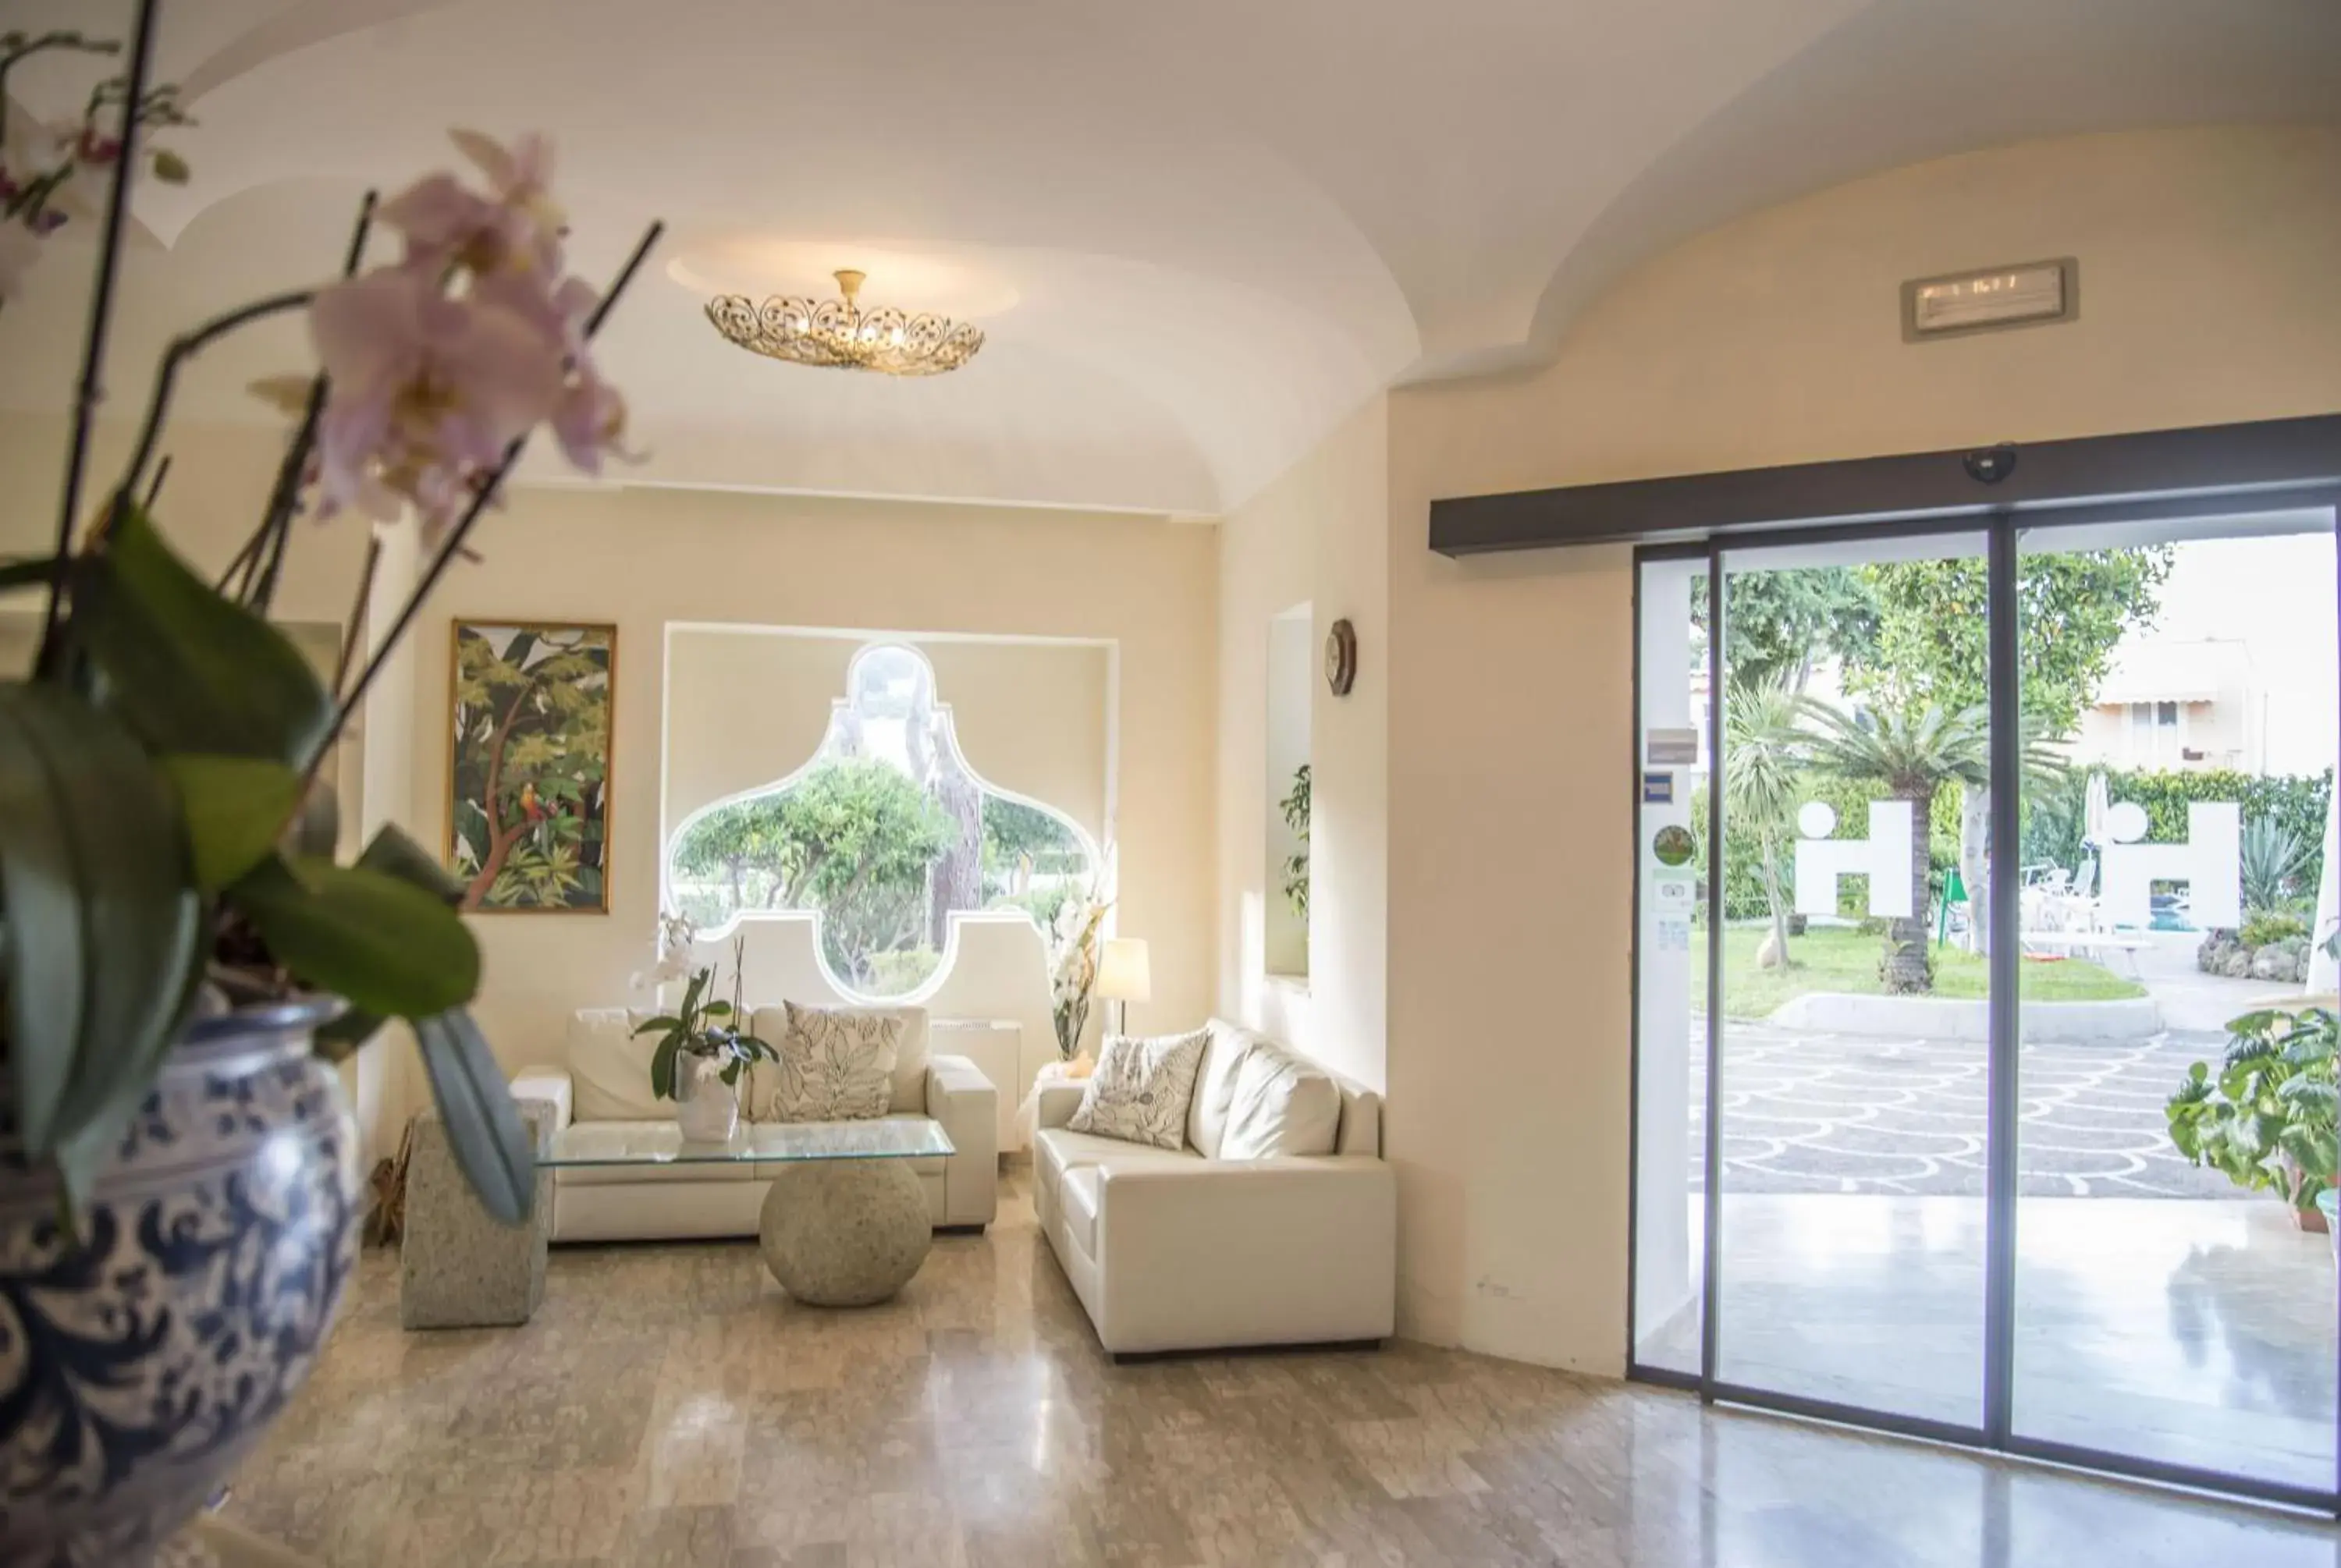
(670, 1406)
(2192, 1332)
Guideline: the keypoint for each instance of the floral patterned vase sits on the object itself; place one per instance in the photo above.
(139, 1366)
(706, 1108)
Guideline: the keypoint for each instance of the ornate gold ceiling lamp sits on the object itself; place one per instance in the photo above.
(841, 334)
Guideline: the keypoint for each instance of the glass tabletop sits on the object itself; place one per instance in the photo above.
(645, 1144)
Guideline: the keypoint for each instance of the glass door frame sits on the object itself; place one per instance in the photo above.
(2004, 529)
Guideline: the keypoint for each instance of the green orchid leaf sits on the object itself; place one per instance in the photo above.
(663, 1021)
(341, 1038)
(384, 946)
(234, 807)
(190, 670)
(662, 1068)
(391, 852)
(103, 916)
(490, 1141)
(716, 1010)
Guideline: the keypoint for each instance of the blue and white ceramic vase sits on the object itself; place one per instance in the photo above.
(140, 1364)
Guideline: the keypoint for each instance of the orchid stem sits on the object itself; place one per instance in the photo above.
(276, 525)
(454, 544)
(357, 611)
(101, 317)
(186, 347)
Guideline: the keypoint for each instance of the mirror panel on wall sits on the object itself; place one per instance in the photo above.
(1289, 792)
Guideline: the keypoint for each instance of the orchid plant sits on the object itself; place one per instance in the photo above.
(44, 176)
(1073, 962)
(165, 843)
(707, 1028)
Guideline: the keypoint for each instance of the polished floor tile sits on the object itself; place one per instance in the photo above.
(671, 1407)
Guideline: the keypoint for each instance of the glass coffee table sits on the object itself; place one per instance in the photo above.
(844, 1223)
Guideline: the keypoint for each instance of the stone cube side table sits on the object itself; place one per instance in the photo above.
(458, 1268)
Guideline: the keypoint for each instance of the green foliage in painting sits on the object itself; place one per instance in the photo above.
(532, 765)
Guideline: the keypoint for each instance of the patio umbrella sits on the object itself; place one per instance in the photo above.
(2093, 812)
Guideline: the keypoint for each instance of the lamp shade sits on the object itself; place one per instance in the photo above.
(1122, 972)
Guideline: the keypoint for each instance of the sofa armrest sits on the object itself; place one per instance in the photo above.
(550, 1084)
(961, 1099)
(1057, 1102)
(1247, 1252)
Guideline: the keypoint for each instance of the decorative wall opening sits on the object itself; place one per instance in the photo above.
(884, 834)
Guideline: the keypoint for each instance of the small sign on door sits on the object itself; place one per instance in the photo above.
(1670, 748)
(1657, 789)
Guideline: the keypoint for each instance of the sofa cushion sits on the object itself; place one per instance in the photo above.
(1142, 1088)
(1056, 1151)
(610, 1069)
(912, 1049)
(614, 1139)
(1215, 1085)
(1078, 1199)
(836, 1064)
(1282, 1105)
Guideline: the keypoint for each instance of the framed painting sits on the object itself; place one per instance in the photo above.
(528, 775)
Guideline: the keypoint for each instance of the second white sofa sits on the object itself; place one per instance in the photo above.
(1184, 1250)
(602, 1099)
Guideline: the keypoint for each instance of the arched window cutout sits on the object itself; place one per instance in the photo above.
(884, 835)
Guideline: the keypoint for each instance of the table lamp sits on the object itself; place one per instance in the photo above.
(1123, 976)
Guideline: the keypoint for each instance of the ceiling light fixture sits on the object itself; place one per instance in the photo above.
(841, 334)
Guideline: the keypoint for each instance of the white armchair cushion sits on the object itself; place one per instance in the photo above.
(1142, 1088)
(551, 1085)
(836, 1064)
(1281, 1105)
(610, 1069)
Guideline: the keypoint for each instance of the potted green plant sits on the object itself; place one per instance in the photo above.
(703, 1047)
(182, 956)
(2266, 1118)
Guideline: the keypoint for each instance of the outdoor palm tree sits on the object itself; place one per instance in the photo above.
(1914, 752)
(1764, 744)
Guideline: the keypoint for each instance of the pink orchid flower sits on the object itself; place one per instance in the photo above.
(516, 229)
(426, 392)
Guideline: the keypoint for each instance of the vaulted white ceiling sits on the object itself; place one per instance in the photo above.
(1197, 235)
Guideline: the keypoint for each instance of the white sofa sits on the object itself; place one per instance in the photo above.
(1182, 1250)
(602, 1099)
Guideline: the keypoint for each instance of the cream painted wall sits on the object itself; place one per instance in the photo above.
(1316, 535)
(645, 558)
(2206, 266)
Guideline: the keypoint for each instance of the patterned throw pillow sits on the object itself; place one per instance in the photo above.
(1140, 1091)
(835, 1065)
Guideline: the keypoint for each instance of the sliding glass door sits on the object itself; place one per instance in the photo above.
(2176, 858)
(1957, 850)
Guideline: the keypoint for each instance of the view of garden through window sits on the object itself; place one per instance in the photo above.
(885, 835)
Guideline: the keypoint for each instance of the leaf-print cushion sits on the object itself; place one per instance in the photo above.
(1141, 1089)
(836, 1065)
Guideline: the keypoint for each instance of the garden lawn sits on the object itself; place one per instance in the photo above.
(1841, 958)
